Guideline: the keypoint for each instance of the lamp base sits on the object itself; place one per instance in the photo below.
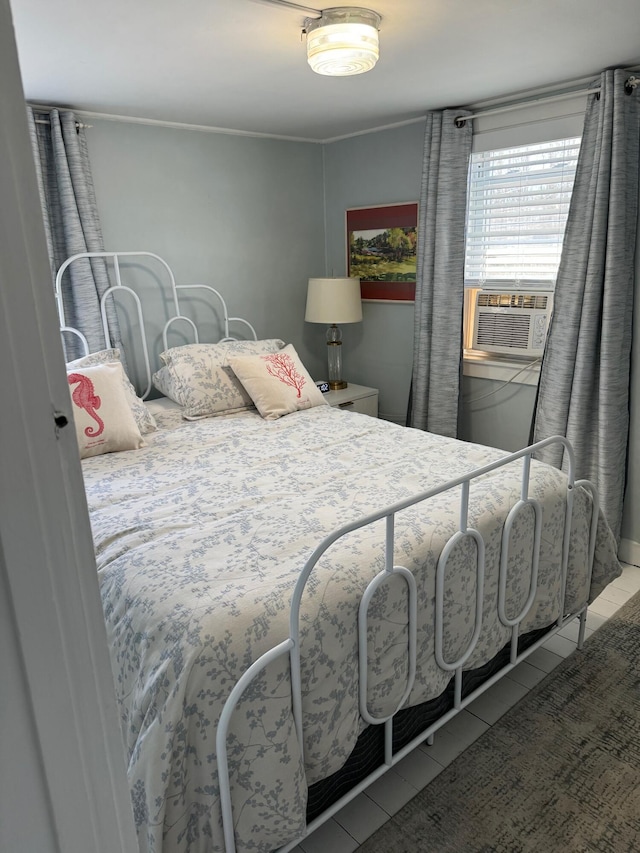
(334, 353)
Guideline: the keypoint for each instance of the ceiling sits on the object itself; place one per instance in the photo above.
(241, 64)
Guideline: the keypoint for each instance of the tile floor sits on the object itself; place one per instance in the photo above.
(363, 816)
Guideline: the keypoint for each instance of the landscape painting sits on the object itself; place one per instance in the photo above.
(381, 250)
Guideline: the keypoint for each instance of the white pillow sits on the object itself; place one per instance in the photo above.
(103, 419)
(278, 382)
(144, 418)
(198, 377)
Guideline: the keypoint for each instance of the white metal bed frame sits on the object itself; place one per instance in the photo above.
(119, 287)
(291, 646)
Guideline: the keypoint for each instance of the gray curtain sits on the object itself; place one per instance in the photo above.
(71, 224)
(437, 348)
(584, 381)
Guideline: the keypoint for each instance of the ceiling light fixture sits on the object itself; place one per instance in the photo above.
(342, 41)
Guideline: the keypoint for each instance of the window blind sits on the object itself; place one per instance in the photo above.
(516, 214)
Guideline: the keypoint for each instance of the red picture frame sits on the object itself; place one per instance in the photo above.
(381, 250)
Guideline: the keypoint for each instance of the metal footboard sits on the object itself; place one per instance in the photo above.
(291, 646)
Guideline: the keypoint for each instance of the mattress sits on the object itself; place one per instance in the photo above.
(200, 537)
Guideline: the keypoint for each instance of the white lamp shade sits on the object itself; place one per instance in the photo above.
(333, 300)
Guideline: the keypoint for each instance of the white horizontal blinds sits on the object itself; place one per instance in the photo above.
(517, 211)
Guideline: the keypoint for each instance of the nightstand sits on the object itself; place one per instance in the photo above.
(355, 398)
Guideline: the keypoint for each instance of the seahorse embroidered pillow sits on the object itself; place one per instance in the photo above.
(278, 382)
(103, 418)
(144, 418)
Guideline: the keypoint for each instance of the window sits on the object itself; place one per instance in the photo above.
(518, 203)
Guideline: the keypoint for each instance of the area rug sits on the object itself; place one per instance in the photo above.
(560, 771)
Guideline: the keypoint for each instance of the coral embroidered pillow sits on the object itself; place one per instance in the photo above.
(277, 382)
(198, 377)
(103, 419)
(144, 418)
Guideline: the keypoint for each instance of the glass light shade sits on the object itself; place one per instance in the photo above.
(343, 41)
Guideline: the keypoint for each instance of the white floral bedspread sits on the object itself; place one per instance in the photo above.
(199, 540)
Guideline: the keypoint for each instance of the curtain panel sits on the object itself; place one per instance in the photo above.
(584, 381)
(437, 356)
(72, 224)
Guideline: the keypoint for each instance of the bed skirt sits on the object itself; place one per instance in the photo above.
(368, 753)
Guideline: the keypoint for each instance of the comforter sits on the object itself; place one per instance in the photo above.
(199, 539)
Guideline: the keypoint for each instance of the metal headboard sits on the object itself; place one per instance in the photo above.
(115, 257)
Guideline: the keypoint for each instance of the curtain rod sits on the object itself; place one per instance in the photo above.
(630, 85)
(79, 124)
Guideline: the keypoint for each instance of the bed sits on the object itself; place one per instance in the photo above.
(292, 604)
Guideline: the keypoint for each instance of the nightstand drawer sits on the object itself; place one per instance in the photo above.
(365, 405)
(355, 398)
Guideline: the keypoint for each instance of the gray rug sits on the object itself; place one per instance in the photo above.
(559, 772)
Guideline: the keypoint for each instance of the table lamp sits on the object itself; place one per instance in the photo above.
(333, 301)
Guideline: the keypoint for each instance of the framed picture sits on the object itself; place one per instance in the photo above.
(381, 250)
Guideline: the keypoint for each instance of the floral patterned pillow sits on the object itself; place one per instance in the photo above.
(198, 376)
(144, 418)
(101, 413)
(278, 383)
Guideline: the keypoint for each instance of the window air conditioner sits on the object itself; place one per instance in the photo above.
(512, 323)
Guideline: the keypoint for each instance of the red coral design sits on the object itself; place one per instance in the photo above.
(282, 367)
(85, 397)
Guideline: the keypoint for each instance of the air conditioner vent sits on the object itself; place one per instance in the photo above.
(527, 301)
(497, 330)
(511, 323)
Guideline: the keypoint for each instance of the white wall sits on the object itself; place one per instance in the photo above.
(63, 784)
(22, 781)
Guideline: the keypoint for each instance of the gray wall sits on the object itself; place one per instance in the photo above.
(242, 214)
(496, 415)
(246, 215)
(383, 168)
(375, 168)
